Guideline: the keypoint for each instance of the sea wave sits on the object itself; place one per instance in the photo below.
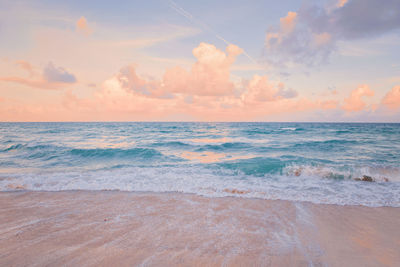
(144, 153)
(313, 184)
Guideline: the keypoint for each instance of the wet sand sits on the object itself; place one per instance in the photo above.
(108, 228)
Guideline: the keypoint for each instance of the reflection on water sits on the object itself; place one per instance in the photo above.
(211, 157)
(211, 140)
(105, 142)
(203, 157)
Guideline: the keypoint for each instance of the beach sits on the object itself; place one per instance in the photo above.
(200, 133)
(104, 228)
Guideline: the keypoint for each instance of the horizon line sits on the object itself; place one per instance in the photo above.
(375, 122)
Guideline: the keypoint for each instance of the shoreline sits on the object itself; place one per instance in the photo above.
(131, 228)
(233, 196)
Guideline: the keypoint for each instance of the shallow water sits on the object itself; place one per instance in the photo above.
(110, 228)
(314, 162)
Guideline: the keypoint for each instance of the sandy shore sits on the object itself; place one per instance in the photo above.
(149, 229)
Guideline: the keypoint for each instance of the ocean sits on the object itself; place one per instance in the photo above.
(312, 162)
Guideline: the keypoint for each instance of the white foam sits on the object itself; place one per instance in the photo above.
(379, 174)
(214, 183)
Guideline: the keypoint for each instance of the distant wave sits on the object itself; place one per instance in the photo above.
(170, 144)
(18, 147)
(225, 146)
(144, 153)
(14, 147)
(327, 144)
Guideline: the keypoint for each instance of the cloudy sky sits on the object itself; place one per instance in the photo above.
(164, 60)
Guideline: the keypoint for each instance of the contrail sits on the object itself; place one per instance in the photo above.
(190, 17)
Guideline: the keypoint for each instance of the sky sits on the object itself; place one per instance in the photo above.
(175, 60)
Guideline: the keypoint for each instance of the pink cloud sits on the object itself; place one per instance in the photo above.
(260, 89)
(205, 92)
(26, 66)
(341, 3)
(286, 27)
(209, 76)
(82, 26)
(355, 101)
(328, 104)
(289, 22)
(392, 98)
(41, 84)
(52, 77)
(322, 39)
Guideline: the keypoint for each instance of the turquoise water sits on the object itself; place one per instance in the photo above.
(314, 162)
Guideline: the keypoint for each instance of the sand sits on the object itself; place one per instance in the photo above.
(110, 228)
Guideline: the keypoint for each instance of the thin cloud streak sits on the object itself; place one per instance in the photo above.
(190, 17)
